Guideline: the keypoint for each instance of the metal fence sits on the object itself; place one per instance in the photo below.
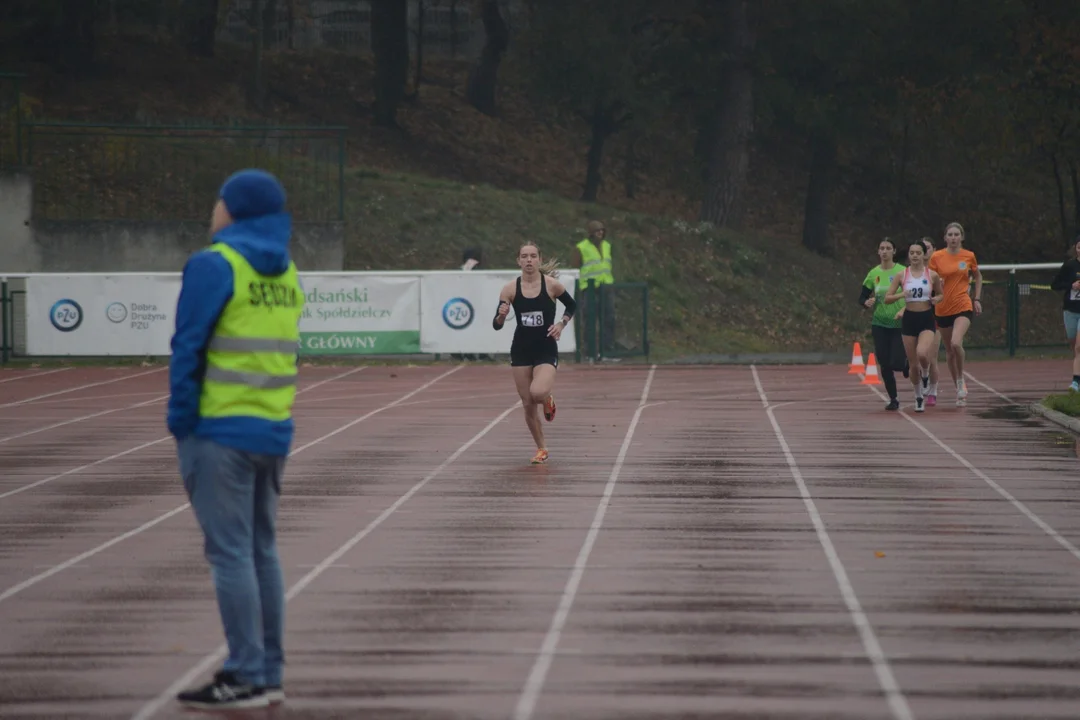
(167, 172)
(12, 319)
(11, 119)
(613, 321)
(1019, 309)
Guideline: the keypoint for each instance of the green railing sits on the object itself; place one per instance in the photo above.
(168, 172)
(11, 119)
(12, 319)
(613, 321)
(1019, 309)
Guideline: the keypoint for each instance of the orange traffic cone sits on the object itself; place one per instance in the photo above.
(871, 377)
(856, 365)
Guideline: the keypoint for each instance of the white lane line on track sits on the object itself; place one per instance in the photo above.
(82, 387)
(129, 451)
(1009, 497)
(34, 375)
(81, 418)
(894, 696)
(207, 663)
(534, 684)
(30, 582)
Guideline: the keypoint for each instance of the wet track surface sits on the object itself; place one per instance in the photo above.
(704, 543)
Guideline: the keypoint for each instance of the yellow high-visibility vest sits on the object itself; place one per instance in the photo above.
(251, 359)
(595, 265)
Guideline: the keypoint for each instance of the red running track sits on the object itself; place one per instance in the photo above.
(727, 542)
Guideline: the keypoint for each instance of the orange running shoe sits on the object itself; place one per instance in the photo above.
(549, 408)
(540, 457)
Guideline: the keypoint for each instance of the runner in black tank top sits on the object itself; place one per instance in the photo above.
(534, 351)
(532, 345)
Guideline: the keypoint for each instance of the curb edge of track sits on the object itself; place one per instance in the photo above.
(1056, 417)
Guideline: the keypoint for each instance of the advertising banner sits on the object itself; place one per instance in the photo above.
(360, 315)
(100, 314)
(458, 308)
(344, 314)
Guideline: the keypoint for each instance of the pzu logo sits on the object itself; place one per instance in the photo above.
(65, 315)
(458, 313)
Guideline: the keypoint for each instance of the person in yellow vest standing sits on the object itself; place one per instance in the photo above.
(593, 256)
(232, 381)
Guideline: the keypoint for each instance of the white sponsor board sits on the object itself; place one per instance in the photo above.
(360, 314)
(100, 314)
(133, 314)
(458, 307)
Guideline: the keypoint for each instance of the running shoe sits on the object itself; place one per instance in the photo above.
(919, 401)
(894, 404)
(1075, 386)
(275, 694)
(549, 408)
(931, 398)
(961, 392)
(225, 692)
(540, 457)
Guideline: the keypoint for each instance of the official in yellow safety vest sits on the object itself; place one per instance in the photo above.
(593, 256)
(232, 379)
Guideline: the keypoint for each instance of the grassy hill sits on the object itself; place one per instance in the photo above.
(710, 292)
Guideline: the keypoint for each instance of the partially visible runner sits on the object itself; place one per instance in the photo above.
(919, 287)
(885, 323)
(931, 395)
(1068, 281)
(534, 351)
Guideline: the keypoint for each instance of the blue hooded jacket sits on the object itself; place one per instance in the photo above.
(207, 287)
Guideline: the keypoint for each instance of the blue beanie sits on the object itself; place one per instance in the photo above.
(252, 193)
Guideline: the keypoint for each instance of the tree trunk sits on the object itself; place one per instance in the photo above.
(1076, 198)
(602, 125)
(76, 44)
(257, 23)
(729, 157)
(453, 29)
(822, 177)
(390, 45)
(203, 20)
(1062, 213)
(480, 90)
(419, 45)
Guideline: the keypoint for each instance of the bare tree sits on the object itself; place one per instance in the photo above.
(390, 45)
(482, 80)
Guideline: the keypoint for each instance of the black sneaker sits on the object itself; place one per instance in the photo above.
(894, 404)
(225, 692)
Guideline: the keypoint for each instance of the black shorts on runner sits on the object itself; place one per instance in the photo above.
(913, 323)
(533, 359)
(946, 321)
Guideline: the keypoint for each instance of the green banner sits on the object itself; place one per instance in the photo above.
(390, 342)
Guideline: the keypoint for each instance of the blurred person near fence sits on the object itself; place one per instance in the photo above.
(232, 381)
(1067, 281)
(592, 255)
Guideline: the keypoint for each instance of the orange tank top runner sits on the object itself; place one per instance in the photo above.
(955, 271)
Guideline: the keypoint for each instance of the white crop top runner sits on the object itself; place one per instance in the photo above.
(917, 289)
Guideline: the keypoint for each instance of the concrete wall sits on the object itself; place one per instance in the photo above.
(131, 246)
(37, 245)
(18, 253)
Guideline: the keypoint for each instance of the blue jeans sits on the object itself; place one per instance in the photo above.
(235, 497)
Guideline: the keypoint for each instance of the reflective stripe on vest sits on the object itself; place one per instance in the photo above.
(251, 358)
(595, 264)
(235, 344)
